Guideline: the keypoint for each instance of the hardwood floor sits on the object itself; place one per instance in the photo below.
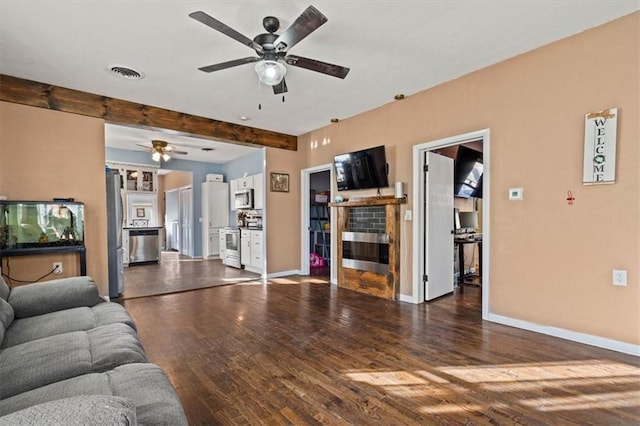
(299, 351)
(179, 273)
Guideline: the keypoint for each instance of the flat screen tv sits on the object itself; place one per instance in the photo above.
(467, 176)
(362, 169)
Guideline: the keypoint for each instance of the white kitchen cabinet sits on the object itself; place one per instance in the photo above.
(135, 178)
(245, 248)
(233, 187)
(222, 244)
(245, 182)
(215, 215)
(258, 191)
(257, 251)
(213, 241)
(252, 250)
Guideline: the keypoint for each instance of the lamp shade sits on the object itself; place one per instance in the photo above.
(270, 72)
(155, 156)
(166, 157)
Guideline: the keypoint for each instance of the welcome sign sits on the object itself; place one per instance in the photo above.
(600, 147)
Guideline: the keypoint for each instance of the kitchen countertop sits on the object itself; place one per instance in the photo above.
(142, 227)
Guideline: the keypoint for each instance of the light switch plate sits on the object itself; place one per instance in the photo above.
(619, 277)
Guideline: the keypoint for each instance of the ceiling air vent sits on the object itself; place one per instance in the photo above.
(126, 72)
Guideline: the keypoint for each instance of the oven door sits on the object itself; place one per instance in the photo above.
(232, 240)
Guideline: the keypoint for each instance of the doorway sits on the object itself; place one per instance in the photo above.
(317, 240)
(427, 250)
(185, 197)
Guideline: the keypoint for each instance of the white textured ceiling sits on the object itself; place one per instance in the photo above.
(135, 139)
(391, 47)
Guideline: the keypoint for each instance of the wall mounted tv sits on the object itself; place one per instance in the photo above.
(362, 169)
(467, 176)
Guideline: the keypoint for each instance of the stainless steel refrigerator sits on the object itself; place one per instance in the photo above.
(114, 234)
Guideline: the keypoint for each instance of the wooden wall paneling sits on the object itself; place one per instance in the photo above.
(393, 231)
(342, 223)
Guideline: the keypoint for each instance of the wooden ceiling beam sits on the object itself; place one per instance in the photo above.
(118, 111)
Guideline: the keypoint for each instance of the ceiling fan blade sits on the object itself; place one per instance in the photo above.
(177, 152)
(229, 64)
(280, 88)
(305, 24)
(209, 21)
(318, 66)
(145, 147)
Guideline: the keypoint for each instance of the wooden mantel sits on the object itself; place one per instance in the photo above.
(383, 200)
(385, 285)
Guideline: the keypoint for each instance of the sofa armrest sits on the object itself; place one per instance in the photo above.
(51, 296)
(83, 410)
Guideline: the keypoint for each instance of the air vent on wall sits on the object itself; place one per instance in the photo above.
(125, 72)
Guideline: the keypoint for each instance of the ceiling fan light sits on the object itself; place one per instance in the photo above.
(270, 72)
(155, 156)
(166, 157)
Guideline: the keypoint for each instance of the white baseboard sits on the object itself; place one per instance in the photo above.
(408, 299)
(587, 339)
(283, 274)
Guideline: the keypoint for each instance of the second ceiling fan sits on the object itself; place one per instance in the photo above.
(162, 150)
(272, 49)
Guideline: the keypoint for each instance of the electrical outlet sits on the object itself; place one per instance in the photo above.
(57, 268)
(619, 277)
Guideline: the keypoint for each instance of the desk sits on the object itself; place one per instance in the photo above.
(459, 245)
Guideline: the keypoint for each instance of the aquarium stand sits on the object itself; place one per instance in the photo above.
(81, 250)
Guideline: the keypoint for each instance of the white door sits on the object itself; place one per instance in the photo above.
(186, 219)
(172, 219)
(438, 250)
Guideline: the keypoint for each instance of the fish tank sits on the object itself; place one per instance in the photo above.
(38, 224)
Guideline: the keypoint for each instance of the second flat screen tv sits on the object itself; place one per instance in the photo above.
(361, 169)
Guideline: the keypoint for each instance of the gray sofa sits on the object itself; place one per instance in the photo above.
(69, 357)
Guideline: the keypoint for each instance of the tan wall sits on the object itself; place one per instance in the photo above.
(173, 180)
(551, 263)
(46, 154)
(282, 213)
(177, 179)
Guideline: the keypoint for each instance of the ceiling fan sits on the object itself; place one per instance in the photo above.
(161, 149)
(272, 49)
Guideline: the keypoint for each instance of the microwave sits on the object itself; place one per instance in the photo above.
(243, 199)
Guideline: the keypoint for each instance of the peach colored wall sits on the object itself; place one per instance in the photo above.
(175, 180)
(46, 154)
(282, 213)
(550, 263)
(172, 180)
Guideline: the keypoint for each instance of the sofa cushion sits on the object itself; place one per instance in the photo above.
(6, 318)
(145, 384)
(4, 289)
(95, 410)
(55, 295)
(78, 319)
(41, 362)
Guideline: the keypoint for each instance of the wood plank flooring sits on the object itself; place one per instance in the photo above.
(179, 273)
(299, 351)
